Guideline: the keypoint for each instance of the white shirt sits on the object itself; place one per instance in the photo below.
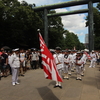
(93, 56)
(14, 61)
(34, 56)
(22, 56)
(59, 59)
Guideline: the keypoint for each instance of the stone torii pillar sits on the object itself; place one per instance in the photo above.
(91, 26)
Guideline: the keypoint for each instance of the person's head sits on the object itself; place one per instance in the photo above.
(9, 52)
(78, 54)
(92, 51)
(22, 50)
(69, 51)
(58, 49)
(2, 50)
(16, 50)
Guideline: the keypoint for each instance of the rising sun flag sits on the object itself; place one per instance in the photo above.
(48, 62)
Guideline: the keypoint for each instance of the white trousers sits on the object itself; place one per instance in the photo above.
(60, 73)
(15, 74)
(66, 68)
(92, 64)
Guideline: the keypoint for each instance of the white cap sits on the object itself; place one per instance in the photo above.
(86, 50)
(92, 50)
(15, 49)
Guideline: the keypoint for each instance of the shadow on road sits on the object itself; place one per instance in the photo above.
(46, 93)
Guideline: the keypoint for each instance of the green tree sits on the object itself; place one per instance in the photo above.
(56, 31)
(19, 24)
(71, 40)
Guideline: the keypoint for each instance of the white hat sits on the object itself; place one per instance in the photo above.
(15, 49)
(92, 50)
(86, 50)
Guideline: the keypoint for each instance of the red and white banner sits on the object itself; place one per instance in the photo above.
(48, 62)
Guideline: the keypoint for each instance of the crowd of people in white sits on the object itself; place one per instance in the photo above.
(17, 61)
(68, 61)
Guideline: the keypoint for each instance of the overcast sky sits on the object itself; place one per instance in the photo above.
(74, 23)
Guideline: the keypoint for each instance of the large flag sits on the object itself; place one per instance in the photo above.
(48, 62)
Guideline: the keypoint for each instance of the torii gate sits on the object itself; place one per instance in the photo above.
(68, 4)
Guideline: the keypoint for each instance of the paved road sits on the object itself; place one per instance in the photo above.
(35, 87)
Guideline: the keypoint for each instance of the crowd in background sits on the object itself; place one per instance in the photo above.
(29, 59)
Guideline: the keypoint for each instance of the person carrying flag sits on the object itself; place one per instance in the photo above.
(50, 66)
(59, 63)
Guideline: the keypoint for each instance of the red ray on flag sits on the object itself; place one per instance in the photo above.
(48, 62)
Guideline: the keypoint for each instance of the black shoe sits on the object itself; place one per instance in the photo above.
(60, 87)
(22, 75)
(77, 79)
(69, 74)
(67, 78)
(5, 76)
(0, 77)
(80, 79)
(56, 86)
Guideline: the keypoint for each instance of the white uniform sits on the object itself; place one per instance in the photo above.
(84, 58)
(66, 66)
(70, 57)
(73, 61)
(79, 67)
(93, 59)
(15, 64)
(59, 63)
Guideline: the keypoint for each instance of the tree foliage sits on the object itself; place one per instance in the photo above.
(19, 24)
(72, 41)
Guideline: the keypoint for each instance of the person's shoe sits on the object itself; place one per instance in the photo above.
(56, 86)
(22, 75)
(60, 87)
(17, 83)
(13, 83)
(80, 79)
(5, 76)
(67, 78)
(0, 77)
(69, 74)
(72, 70)
(77, 79)
(82, 75)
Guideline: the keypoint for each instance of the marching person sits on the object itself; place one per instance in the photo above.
(79, 64)
(73, 60)
(93, 59)
(59, 63)
(15, 64)
(66, 65)
(70, 57)
(84, 58)
(34, 59)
